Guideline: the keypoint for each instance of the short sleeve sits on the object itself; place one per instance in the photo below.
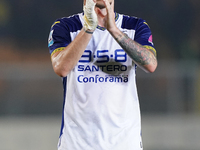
(143, 35)
(59, 36)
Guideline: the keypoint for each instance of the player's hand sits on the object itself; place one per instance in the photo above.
(90, 16)
(110, 18)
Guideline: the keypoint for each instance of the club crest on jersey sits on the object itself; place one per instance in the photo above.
(50, 40)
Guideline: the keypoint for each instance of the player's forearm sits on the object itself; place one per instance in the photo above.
(140, 55)
(64, 61)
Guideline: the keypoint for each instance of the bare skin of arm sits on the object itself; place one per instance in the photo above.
(143, 57)
(64, 61)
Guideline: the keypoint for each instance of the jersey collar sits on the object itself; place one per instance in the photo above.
(102, 28)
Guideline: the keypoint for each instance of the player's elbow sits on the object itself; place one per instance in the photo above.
(60, 70)
(61, 73)
(151, 68)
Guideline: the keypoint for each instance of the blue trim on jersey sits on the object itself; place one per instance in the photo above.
(73, 23)
(135, 70)
(129, 22)
(65, 89)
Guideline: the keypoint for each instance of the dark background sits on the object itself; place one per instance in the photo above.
(31, 94)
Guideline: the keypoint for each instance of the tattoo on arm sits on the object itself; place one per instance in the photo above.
(137, 52)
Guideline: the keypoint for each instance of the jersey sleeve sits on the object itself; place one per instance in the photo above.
(143, 35)
(59, 36)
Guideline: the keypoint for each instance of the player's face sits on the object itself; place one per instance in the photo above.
(100, 3)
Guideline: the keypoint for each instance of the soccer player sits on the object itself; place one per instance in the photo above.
(96, 53)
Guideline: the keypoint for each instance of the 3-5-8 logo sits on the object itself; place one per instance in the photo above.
(103, 56)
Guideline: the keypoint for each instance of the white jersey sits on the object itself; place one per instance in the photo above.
(101, 108)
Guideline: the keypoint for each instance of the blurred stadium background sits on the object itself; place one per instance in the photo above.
(31, 93)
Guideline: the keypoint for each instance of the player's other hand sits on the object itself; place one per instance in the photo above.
(108, 14)
(90, 16)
